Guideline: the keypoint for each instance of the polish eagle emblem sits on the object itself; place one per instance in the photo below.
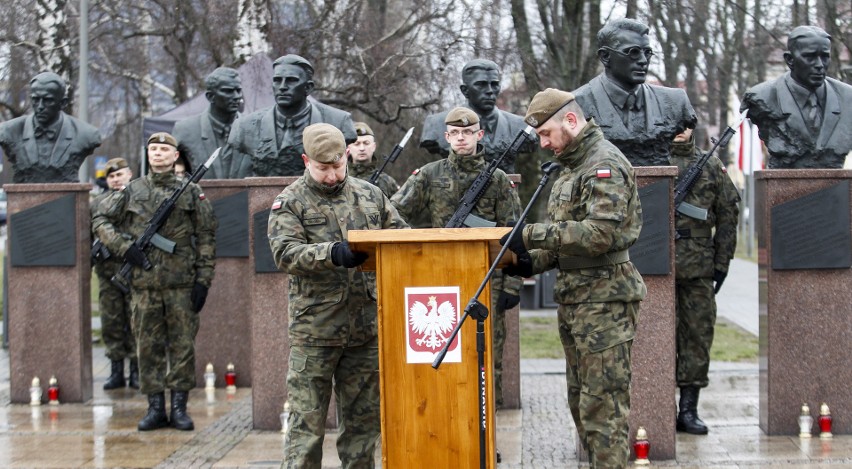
(432, 322)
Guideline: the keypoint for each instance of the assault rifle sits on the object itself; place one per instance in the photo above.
(690, 177)
(100, 252)
(462, 217)
(150, 236)
(393, 156)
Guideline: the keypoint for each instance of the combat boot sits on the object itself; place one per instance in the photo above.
(116, 376)
(687, 417)
(133, 379)
(180, 419)
(156, 416)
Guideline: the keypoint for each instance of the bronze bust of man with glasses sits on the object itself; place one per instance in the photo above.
(640, 119)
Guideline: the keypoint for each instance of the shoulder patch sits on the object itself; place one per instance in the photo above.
(201, 196)
(724, 169)
(603, 173)
(511, 183)
(415, 172)
(276, 205)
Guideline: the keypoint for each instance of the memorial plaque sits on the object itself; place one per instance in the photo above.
(813, 232)
(263, 261)
(233, 233)
(44, 235)
(650, 253)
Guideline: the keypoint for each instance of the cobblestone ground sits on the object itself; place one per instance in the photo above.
(549, 435)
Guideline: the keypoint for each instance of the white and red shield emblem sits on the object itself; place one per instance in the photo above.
(431, 313)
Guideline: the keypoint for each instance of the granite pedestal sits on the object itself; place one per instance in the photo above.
(805, 331)
(50, 317)
(225, 333)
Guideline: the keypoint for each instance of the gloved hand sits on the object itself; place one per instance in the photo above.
(507, 301)
(198, 297)
(719, 278)
(136, 257)
(517, 244)
(524, 267)
(342, 256)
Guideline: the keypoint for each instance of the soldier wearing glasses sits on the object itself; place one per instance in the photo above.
(640, 119)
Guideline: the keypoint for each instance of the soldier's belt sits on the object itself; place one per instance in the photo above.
(582, 262)
(693, 233)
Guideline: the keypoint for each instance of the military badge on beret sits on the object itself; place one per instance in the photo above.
(532, 121)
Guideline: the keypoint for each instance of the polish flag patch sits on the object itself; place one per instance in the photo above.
(603, 173)
(201, 196)
(276, 205)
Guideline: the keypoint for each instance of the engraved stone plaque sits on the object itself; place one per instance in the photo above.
(232, 234)
(263, 261)
(650, 254)
(812, 232)
(44, 235)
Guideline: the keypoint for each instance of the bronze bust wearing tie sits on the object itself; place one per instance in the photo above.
(799, 115)
(640, 119)
(199, 136)
(47, 145)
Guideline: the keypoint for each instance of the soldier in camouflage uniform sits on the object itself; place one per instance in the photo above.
(332, 306)
(363, 165)
(166, 299)
(114, 305)
(436, 188)
(703, 256)
(595, 217)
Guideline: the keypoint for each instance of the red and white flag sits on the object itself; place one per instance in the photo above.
(603, 173)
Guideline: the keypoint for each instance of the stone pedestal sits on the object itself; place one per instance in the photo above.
(652, 391)
(50, 305)
(225, 333)
(512, 360)
(269, 320)
(805, 314)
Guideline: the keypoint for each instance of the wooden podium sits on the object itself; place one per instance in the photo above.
(430, 418)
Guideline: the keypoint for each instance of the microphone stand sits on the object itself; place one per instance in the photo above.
(479, 312)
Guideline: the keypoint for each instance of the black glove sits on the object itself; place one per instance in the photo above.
(517, 245)
(507, 301)
(342, 256)
(524, 267)
(719, 278)
(198, 297)
(135, 256)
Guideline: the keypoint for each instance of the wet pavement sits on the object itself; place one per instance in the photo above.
(102, 432)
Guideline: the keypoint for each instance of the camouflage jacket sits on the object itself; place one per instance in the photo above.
(328, 305)
(698, 256)
(437, 187)
(386, 183)
(123, 216)
(109, 267)
(594, 210)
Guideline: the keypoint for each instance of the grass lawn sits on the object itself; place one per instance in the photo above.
(540, 339)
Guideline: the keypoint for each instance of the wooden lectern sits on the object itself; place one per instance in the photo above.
(430, 418)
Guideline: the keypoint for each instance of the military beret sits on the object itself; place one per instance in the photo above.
(162, 137)
(362, 129)
(115, 164)
(323, 143)
(461, 117)
(545, 104)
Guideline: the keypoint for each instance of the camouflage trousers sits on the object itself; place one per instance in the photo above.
(165, 327)
(696, 318)
(498, 338)
(597, 338)
(116, 331)
(355, 375)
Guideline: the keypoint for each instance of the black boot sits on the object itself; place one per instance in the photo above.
(687, 417)
(156, 416)
(116, 376)
(180, 419)
(133, 379)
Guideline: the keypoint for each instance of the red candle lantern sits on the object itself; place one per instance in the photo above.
(231, 378)
(824, 421)
(641, 447)
(53, 391)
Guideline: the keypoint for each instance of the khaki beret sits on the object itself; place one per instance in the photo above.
(545, 104)
(362, 129)
(323, 143)
(461, 117)
(162, 137)
(115, 164)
